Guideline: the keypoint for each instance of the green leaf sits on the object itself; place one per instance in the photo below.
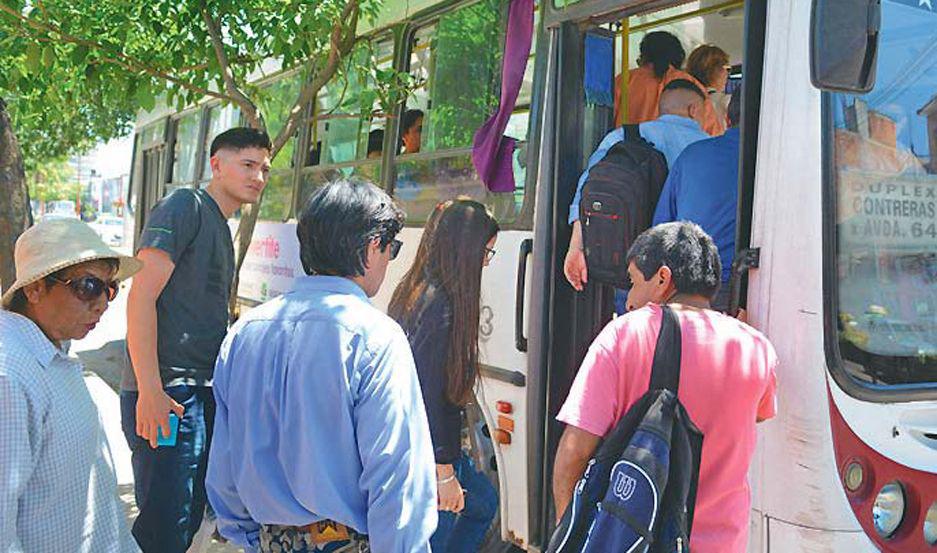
(48, 56)
(144, 96)
(33, 58)
(79, 53)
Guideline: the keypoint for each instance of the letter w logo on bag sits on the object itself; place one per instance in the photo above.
(639, 491)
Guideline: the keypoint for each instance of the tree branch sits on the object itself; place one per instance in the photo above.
(119, 59)
(231, 87)
(341, 42)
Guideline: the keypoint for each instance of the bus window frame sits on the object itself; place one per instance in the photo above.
(525, 215)
(601, 11)
(890, 393)
(173, 136)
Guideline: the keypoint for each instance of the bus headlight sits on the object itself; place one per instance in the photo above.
(888, 510)
(930, 525)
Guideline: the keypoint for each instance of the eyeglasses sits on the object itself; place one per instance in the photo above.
(489, 253)
(395, 246)
(90, 288)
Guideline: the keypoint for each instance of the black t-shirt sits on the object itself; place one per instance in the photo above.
(192, 310)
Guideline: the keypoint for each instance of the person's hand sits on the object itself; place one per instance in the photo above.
(153, 409)
(575, 268)
(451, 496)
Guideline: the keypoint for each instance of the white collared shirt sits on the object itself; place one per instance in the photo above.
(58, 490)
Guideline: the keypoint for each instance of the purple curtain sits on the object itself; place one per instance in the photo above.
(492, 152)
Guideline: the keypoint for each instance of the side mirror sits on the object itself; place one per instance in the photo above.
(844, 44)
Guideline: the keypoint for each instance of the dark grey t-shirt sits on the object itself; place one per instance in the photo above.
(192, 310)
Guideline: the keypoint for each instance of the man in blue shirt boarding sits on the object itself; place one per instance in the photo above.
(702, 187)
(321, 440)
(681, 109)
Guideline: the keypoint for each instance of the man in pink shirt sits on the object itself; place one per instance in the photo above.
(727, 380)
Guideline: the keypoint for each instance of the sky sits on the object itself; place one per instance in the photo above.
(111, 159)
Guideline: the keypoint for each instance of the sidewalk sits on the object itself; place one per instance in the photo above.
(102, 353)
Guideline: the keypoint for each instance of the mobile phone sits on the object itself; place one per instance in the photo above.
(170, 440)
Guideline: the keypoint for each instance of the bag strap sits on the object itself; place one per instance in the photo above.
(665, 372)
(632, 132)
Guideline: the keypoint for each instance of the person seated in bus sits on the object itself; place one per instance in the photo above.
(660, 61)
(709, 64)
(321, 440)
(437, 303)
(681, 108)
(411, 131)
(375, 144)
(727, 381)
(703, 187)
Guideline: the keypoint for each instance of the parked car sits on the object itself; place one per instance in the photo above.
(110, 229)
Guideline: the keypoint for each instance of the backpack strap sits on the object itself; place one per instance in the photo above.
(632, 132)
(665, 372)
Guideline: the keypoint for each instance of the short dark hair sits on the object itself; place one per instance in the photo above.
(734, 111)
(410, 117)
(239, 138)
(686, 249)
(338, 222)
(375, 141)
(684, 84)
(662, 50)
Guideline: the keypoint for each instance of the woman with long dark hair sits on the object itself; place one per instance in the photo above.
(437, 303)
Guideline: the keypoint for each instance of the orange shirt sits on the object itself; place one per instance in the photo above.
(644, 95)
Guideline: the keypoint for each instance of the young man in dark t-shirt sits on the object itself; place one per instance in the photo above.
(177, 316)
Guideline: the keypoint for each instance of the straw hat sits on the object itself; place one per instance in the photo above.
(55, 244)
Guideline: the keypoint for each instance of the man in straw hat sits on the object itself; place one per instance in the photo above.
(58, 491)
(177, 316)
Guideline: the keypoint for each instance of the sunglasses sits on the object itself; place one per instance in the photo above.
(395, 246)
(90, 288)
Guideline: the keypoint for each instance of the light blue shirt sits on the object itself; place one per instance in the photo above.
(670, 134)
(320, 417)
(58, 490)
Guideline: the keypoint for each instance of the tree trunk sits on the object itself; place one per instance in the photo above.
(15, 213)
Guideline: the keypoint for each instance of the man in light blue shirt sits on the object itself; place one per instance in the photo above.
(319, 415)
(681, 108)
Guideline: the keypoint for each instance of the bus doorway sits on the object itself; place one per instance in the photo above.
(573, 127)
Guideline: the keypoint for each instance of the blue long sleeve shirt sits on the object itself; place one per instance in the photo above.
(702, 187)
(669, 133)
(320, 416)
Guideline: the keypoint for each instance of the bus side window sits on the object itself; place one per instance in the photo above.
(457, 61)
(346, 132)
(185, 147)
(277, 99)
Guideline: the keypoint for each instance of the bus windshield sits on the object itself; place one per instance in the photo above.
(885, 156)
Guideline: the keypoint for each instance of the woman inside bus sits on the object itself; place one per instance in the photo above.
(709, 65)
(437, 303)
(661, 57)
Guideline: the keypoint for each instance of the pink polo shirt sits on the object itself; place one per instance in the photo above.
(727, 381)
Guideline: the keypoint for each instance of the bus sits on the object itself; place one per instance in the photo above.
(836, 232)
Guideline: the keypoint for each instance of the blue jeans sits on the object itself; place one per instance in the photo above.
(169, 481)
(465, 531)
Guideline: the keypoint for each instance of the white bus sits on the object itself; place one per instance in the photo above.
(835, 228)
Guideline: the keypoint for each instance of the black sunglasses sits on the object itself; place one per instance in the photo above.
(395, 246)
(90, 288)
